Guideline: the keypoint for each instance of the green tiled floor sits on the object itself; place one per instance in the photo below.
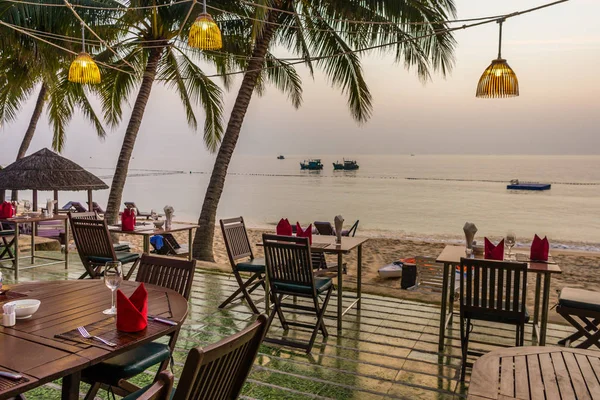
(386, 351)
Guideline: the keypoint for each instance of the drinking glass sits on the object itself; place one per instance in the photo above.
(27, 207)
(113, 276)
(153, 215)
(510, 241)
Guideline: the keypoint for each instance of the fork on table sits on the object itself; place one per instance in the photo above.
(87, 335)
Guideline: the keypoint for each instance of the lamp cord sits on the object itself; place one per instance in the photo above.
(82, 38)
(500, 39)
(204, 6)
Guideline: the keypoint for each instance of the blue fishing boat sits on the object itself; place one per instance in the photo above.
(312, 165)
(516, 185)
(347, 165)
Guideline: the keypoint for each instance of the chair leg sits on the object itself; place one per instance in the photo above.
(278, 309)
(320, 324)
(132, 269)
(464, 345)
(246, 295)
(91, 394)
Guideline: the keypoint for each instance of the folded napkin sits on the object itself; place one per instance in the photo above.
(128, 220)
(157, 241)
(494, 252)
(132, 313)
(470, 230)
(539, 248)
(6, 210)
(307, 233)
(284, 228)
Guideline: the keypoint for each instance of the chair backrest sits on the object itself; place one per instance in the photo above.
(430, 274)
(92, 238)
(497, 287)
(218, 371)
(172, 273)
(324, 228)
(288, 260)
(352, 230)
(85, 215)
(236, 239)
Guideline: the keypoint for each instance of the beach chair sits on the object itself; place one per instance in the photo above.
(96, 208)
(324, 228)
(290, 273)
(491, 291)
(95, 247)
(73, 206)
(170, 273)
(216, 372)
(239, 248)
(583, 305)
(352, 230)
(139, 213)
(171, 247)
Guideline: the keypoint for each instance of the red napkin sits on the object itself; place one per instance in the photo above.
(132, 313)
(128, 220)
(6, 210)
(284, 228)
(494, 252)
(539, 248)
(307, 233)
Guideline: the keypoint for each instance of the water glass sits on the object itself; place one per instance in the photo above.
(510, 241)
(27, 207)
(113, 276)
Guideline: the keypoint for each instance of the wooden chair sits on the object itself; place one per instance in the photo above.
(493, 291)
(215, 372)
(290, 272)
(430, 274)
(584, 305)
(171, 273)
(239, 248)
(7, 245)
(95, 247)
(94, 215)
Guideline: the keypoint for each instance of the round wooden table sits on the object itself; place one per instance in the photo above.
(536, 373)
(46, 347)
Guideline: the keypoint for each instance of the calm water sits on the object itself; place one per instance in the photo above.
(447, 191)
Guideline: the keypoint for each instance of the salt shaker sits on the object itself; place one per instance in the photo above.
(9, 318)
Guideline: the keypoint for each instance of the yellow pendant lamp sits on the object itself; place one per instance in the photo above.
(205, 33)
(498, 80)
(83, 69)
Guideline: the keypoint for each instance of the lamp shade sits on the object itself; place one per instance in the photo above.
(84, 70)
(205, 34)
(497, 81)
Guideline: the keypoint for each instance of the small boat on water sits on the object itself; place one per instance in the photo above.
(312, 165)
(516, 185)
(347, 165)
(280, 157)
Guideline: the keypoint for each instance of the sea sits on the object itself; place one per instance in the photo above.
(421, 197)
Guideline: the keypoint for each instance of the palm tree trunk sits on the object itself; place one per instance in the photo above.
(203, 240)
(37, 113)
(118, 182)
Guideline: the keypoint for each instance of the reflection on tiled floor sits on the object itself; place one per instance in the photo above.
(388, 350)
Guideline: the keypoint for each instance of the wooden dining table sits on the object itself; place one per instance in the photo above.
(451, 256)
(46, 346)
(545, 373)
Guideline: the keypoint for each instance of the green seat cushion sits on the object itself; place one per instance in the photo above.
(494, 317)
(124, 257)
(7, 233)
(254, 265)
(321, 284)
(136, 395)
(121, 247)
(579, 298)
(128, 364)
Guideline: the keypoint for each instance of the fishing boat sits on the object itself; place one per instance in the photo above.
(280, 157)
(312, 165)
(516, 185)
(347, 165)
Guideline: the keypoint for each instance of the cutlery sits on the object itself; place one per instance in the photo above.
(10, 375)
(163, 320)
(87, 335)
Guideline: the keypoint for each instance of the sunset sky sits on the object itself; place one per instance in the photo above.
(555, 53)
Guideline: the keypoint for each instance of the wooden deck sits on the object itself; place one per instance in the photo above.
(388, 350)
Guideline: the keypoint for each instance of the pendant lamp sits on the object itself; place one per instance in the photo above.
(83, 69)
(205, 33)
(498, 80)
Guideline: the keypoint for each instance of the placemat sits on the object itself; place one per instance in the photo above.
(107, 330)
(7, 384)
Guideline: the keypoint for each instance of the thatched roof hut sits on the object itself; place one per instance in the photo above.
(46, 170)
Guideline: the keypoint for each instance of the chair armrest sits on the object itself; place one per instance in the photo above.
(161, 389)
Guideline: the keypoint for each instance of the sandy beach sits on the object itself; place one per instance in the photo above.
(579, 269)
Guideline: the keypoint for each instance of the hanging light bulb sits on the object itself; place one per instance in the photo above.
(83, 69)
(205, 33)
(498, 80)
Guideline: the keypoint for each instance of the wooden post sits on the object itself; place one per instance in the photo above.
(2, 195)
(56, 204)
(90, 201)
(35, 200)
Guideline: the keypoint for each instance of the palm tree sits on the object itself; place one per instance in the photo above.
(323, 34)
(29, 66)
(151, 43)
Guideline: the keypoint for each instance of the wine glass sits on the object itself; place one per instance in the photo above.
(113, 276)
(27, 207)
(153, 215)
(510, 241)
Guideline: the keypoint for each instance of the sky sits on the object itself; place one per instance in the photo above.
(555, 53)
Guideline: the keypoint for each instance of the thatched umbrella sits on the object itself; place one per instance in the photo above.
(46, 170)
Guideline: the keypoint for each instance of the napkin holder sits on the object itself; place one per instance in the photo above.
(338, 222)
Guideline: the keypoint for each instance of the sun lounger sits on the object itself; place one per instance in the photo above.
(131, 204)
(73, 206)
(96, 207)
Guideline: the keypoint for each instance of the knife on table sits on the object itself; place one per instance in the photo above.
(163, 320)
(10, 375)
